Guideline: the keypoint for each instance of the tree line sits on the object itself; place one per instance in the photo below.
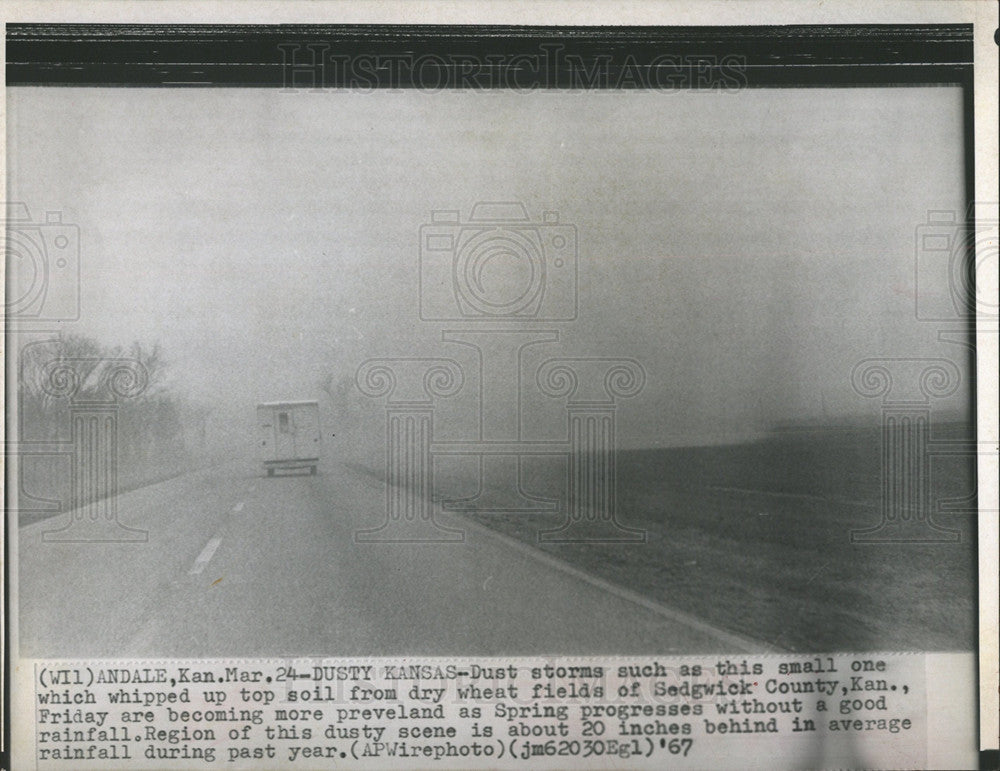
(159, 431)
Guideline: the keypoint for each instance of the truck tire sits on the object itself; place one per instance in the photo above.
(312, 471)
(270, 472)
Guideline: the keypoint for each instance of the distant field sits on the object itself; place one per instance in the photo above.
(756, 539)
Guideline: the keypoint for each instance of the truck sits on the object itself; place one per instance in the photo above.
(289, 435)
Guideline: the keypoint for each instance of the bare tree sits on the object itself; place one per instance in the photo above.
(157, 429)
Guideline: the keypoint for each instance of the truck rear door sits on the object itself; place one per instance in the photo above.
(284, 434)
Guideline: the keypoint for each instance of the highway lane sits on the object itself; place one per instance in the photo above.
(238, 564)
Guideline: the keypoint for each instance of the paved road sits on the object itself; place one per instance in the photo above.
(237, 564)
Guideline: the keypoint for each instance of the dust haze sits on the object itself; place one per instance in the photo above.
(747, 248)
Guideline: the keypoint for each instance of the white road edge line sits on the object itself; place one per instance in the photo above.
(743, 644)
(204, 557)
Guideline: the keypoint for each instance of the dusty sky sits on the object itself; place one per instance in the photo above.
(748, 248)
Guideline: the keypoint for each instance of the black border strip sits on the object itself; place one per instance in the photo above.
(442, 57)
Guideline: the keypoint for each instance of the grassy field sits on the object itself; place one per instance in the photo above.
(756, 539)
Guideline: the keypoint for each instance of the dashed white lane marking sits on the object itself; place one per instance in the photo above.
(204, 557)
(238, 507)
